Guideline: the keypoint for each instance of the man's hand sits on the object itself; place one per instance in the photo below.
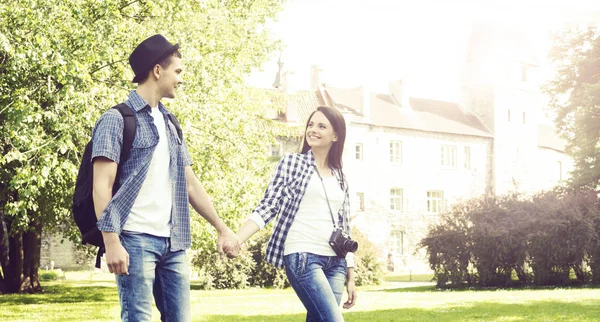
(117, 258)
(351, 287)
(228, 243)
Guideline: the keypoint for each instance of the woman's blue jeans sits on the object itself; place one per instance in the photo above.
(319, 283)
(154, 270)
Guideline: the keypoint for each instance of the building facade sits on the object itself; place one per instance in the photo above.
(409, 159)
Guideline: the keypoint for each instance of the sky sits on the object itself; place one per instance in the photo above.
(370, 42)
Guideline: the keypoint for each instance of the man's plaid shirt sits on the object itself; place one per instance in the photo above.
(107, 140)
(283, 196)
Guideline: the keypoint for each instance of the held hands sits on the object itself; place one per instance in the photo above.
(228, 244)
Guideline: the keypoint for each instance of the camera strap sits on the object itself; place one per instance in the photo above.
(335, 226)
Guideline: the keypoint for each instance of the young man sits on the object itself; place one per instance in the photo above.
(146, 224)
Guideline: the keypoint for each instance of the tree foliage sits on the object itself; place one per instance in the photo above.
(62, 63)
(541, 240)
(575, 99)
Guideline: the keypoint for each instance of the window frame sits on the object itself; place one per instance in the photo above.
(435, 204)
(448, 156)
(358, 155)
(397, 242)
(396, 199)
(396, 154)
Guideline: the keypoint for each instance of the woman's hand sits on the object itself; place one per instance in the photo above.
(351, 287)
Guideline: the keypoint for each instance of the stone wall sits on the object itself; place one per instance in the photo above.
(57, 253)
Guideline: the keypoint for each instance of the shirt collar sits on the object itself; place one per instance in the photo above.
(137, 103)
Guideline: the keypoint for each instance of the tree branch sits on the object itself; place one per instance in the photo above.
(107, 65)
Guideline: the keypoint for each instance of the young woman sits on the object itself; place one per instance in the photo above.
(310, 193)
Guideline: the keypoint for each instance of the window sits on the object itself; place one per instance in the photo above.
(523, 117)
(358, 151)
(360, 198)
(396, 151)
(448, 156)
(396, 199)
(434, 201)
(275, 150)
(467, 160)
(467, 157)
(397, 243)
(560, 170)
(509, 115)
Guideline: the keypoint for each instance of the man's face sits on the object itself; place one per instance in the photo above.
(170, 78)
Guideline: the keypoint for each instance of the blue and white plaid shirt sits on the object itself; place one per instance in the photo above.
(107, 140)
(283, 196)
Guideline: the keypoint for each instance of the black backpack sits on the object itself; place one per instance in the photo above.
(83, 203)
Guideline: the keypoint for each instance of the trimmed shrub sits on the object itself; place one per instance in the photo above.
(448, 245)
(541, 240)
(498, 243)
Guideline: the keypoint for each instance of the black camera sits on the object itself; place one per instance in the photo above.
(342, 243)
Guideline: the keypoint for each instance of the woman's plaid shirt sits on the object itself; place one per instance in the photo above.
(283, 196)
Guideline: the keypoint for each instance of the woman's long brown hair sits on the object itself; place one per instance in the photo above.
(338, 123)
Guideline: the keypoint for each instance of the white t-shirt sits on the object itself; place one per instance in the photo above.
(151, 211)
(312, 224)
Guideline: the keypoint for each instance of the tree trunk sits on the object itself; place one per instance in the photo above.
(14, 272)
(20, 271)
(3, 254)
(32, 242)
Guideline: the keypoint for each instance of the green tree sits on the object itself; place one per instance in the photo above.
(575, 99)
(62, 63)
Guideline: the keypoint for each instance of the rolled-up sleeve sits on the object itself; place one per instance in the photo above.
(107, 140)
(107, 137)
(185, 152)
(270, 204)
(350, 259)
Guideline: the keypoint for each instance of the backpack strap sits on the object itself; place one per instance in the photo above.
(177, 126)
(129, 129)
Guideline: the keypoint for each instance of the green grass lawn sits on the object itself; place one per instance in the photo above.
(94, 298)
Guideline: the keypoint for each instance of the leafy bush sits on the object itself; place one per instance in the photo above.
(48, 276)
(223, 273)
(368, 268)
(448, 247)
(498, 243)
(542, 239)
(265, 274)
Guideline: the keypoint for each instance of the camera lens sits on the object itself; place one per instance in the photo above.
(350, 245)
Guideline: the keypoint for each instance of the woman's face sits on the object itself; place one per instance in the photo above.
(319, 132)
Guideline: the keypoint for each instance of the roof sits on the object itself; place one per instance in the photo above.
(423, 114)
(548, 138)
(301, 105)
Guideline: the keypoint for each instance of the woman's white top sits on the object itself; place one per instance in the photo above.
(312, 225)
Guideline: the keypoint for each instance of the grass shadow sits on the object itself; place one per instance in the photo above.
(539, 311)
(61, 294)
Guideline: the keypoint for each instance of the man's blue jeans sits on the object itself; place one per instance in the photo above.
(319, 283)
(154, 269)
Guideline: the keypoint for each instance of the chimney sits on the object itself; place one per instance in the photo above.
(288, 80)
(399, 92)
(316, 77)
(365, 100)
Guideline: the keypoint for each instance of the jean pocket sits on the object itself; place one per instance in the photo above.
(296, 263)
